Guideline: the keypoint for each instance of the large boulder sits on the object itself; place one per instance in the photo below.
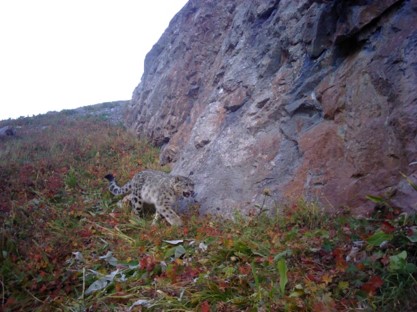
(302, 98)
(7, 131)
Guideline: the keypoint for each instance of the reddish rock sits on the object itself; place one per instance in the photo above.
(304, 98)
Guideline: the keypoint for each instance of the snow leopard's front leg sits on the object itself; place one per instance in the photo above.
(164, 208)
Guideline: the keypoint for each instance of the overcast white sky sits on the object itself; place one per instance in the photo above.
(59, 54)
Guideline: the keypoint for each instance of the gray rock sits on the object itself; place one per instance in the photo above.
(303, 98)
(7, 131)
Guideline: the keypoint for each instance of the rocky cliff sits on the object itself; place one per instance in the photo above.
(312, 98)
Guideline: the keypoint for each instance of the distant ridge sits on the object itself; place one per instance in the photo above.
(113, 111)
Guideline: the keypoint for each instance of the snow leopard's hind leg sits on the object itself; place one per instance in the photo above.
(137, 204)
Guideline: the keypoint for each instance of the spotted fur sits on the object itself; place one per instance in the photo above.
(157, 188)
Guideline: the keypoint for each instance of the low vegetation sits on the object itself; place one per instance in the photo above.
(65, 246)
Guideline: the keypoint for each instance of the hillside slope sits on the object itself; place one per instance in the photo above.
(66, 246)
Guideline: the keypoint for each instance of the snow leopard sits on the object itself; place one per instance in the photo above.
(155, 187)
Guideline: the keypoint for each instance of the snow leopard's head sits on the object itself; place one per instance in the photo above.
(184, 186)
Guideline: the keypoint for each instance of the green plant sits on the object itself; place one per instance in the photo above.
(71, 178)
(283, 278)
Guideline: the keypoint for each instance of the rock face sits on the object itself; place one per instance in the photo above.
(312, 98)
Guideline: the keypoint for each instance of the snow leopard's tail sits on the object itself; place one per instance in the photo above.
(115, 189)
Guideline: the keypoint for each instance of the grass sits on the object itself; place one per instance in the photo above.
(65, 246)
